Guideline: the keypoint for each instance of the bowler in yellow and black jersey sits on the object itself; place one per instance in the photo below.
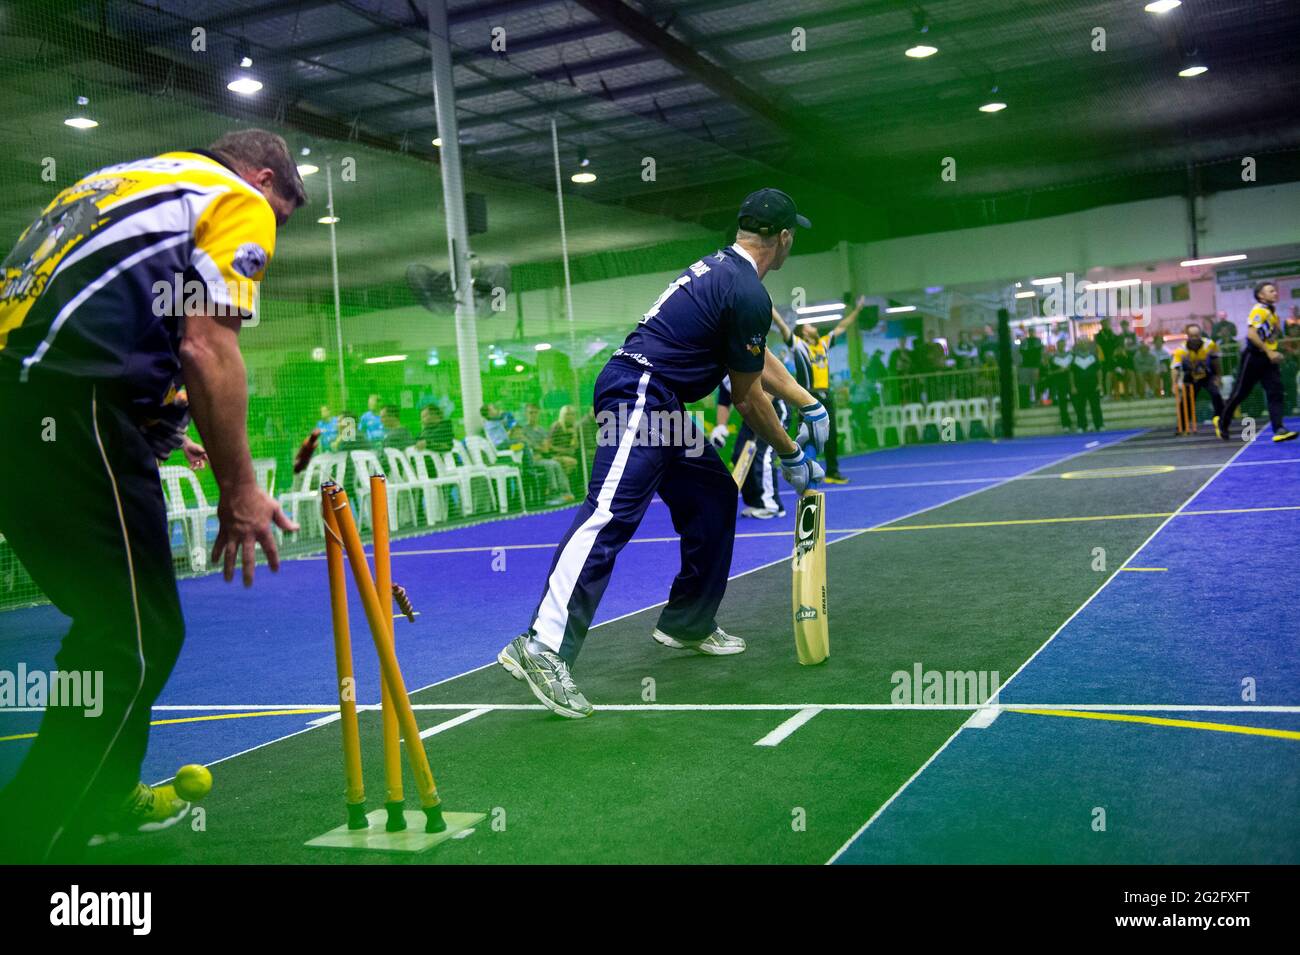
(126, 294)
(1260, 364)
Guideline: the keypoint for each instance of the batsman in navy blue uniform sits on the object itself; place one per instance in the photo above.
(711, 321)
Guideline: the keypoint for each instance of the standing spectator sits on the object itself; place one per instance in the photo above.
(966, 353)
(1162, 362)
(1128, 343)
(1104, 346)
(988, 346)
(1058, 367)
(1085, 384)
(436, 433)
(1031, 358)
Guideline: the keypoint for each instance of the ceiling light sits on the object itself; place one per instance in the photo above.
(244, 85)
(812, 309)
(437, 141)
(1195, 70)
(900, 308)
(307, 169)
(542, 346)
(1054, 280)
(1117, 283)
(385, 359)
(80, 122)
(1162, 6)
(582, 177)
(519, 367)
(1213, 260)
(920, 51)
(1029, 294)
(328, 220)
(993, 107)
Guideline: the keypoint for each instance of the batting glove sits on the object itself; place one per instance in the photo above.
(816, 426)
(801, 470)
(718, 436)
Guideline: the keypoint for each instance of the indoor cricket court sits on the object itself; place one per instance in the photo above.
(376, 375)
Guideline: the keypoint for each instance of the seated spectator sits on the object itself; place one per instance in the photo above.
(1146, 371)
(545, 477)
(395, 435)
(436, 433)
(539, 440)
(966, 353)
(496, 425)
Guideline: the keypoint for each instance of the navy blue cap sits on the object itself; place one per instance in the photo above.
(772, 207)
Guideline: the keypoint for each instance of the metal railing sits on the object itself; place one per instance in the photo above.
(938, 386)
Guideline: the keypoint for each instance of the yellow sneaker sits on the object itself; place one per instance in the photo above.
(150, 808)
(1284, 436)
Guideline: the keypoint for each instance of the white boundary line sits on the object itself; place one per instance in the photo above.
(1115, 573)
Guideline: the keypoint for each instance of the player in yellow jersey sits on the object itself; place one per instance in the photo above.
(1260, 364)
(1198, 364)
(133, 282)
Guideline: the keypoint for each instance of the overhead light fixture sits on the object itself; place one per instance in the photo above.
(519, 367)
(1162, 6)
(900, 308)
(583, 177)
(920, 51)
(817, 319)
(307, 169)
(1213, 260)
(80, 120)
(1117, 283)
(814, 309)
(384, 359)
(328, 220)
(1194, 70)
(542, 346)
(993, 107)
(437, 141)
(244, 85)
(1054, 280)
(1027, 294)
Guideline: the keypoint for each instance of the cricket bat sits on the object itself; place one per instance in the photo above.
(811, 631)
(741, 470)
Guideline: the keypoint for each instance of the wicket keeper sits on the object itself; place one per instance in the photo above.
(1199, 364)
(711, 321)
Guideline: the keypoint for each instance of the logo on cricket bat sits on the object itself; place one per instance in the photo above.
(810, 515)
(805, 613)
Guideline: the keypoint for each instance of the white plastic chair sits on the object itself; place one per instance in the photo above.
(411, 479)
(302, 504)
(265, 468)
(933, 414)
(844, 429)
(190, 511)
(484, 456)
(432, 471)
(364, 465)
(979, 408)
(910, 415)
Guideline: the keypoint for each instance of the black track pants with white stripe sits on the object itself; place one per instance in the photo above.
(82, 508)
(762, 487)
(641, 451)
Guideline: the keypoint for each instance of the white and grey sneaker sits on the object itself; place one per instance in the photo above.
(717, 644)
(546, 674)
(762, 513)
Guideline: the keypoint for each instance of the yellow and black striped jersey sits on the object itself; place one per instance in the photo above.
(97, 286)
(1266, 324)
(1197, 362)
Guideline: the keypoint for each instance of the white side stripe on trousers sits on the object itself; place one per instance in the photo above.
(553, 614)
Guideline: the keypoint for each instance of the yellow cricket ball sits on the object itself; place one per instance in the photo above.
(193, 782)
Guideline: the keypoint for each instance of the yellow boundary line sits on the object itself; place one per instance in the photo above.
(1164, 721)
(205, 719)
(1149, 515)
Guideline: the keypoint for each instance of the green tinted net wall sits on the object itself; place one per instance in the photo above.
(334, 348)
